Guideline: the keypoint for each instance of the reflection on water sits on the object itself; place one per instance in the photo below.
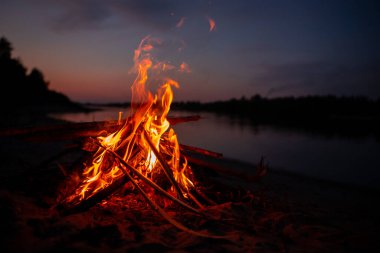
(343, 160)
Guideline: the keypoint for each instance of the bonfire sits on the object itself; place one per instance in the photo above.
(143, 151)
(139, 154)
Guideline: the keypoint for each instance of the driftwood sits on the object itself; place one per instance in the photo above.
(71, 131)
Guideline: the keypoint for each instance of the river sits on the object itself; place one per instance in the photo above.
(346, 160)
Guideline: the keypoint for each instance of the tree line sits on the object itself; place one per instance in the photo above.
(23, 88)
(313, 108)
(349, 116)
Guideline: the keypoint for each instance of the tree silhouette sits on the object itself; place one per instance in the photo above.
(5, 48)
(12, 74)
(36, 81)
(20, 88)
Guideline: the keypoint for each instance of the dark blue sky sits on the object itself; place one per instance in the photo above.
(274, 48)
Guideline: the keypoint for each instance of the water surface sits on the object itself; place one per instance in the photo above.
(354, 161)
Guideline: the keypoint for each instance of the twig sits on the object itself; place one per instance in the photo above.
(146, 180)
(67, 209)
(193, 198)
(164, 165)
(161, 211)
(202, 151)
(211, 202)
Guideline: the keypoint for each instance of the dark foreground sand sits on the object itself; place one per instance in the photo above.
(279, 213)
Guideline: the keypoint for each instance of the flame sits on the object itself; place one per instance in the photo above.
(163, 66)
(184, 67)
(212, 24)
(148, 120)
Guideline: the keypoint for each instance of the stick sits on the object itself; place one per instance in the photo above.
(84, 205)
(177, 120)
(165, 166)
(161, 211)
(147, 180)
(152, 204)
(211, 202)
(202, 151)
(195, 200)
(156, 187)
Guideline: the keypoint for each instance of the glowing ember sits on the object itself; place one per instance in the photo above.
(184, 67)
(145, 141)
(212, 24)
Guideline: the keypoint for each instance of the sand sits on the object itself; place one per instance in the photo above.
(282, 212)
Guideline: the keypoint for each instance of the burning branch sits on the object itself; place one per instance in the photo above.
(162, 212)
(128, 178)
(164, 165)
(143, 152)
(147, 180)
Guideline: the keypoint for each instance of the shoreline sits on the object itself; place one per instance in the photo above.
(42, 118)
(283, 211)
(37, 117)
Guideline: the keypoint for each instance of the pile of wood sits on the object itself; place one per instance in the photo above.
(83, 135)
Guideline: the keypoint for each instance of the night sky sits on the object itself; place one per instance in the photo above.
(273, 48)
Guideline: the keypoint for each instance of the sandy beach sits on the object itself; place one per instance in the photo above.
(281, 212)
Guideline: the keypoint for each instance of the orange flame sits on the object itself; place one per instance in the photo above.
(212, 24)
(184, 67)
(149, 115)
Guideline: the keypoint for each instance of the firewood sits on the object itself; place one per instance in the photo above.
(167, 217)
(66, 209)
(187, 149)
(164, 165)
(69, 208)
(147, 180)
